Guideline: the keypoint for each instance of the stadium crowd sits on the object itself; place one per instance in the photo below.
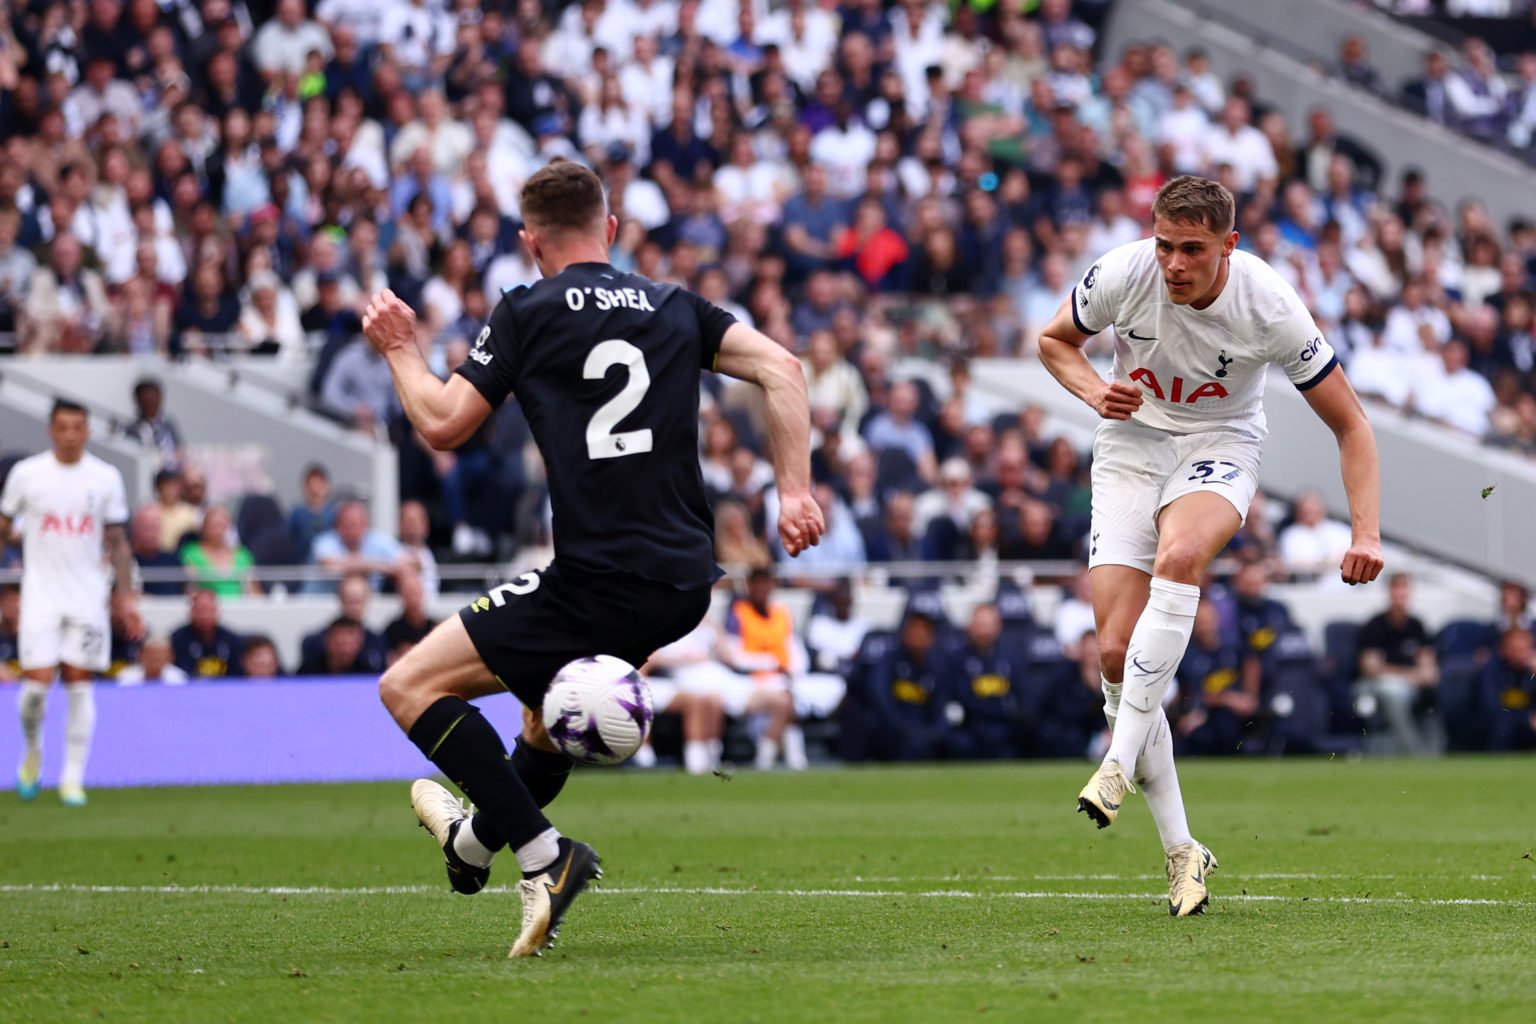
(865, 182)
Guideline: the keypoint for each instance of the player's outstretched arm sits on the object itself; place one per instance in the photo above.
(1336, 404)
(445, 413)
(748, 354)
(1061, 350)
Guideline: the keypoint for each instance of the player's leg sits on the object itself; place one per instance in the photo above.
(40, 645)
(79, 728)
(772, 700)
(427, 692)
(1191, 531)
(31, 700)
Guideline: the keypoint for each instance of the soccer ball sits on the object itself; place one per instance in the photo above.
(598, 710)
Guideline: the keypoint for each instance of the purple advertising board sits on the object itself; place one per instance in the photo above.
(318, 729)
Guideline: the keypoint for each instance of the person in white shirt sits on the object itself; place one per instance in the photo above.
(1408, 320)
(1074, 616)
(284, 43)
(1313, 543)
(154, 666)
(1184, 126)
(1452, 393)
(1197, 324)
(845, 150)
(1237, 143)
(647, 81)
(69, 506)
(954, 498)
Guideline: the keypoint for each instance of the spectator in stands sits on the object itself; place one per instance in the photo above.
(1218, 691)
(1398, 671)
(949, 507)
(66, 307)
(1452, 393)
(1476, 93)
(1036, 535)
(357, 388)
(144, 536)
(1236, 143)
(208, 315)
(831, 381)
(352, 601)
(10, 621)
(259, 659)
(413, 624)
(283, 45)
(1259, 618)
(1072, 709)
(735, 542)
(355, 547)
(316, 513)
(1514, 607)
(152, 428)
(761, 641)
(1355, 66)
(179, 518)
(204, 648)
(341, 651)
(415, 529)
(217, 561)
(988, 687)
(834, 633)
(893, 537)
(17, 268)
(1315, 156)
(899, 428)
(269, 322)
(1074, 616)
(1313, 543)
(1508, 688)
(906, 698)
(155, 665)
(1428, 94)
(813, 223)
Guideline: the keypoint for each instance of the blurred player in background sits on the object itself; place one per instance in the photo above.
(1175, 459)
(606, 367)
(70, 506)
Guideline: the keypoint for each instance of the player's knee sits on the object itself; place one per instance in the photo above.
(395, 689)
(1112, 657)
(1180, 561)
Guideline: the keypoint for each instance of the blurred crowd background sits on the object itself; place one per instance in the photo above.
(868, 183)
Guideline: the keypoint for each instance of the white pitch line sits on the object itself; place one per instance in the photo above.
(958, 894)
(1149, 877)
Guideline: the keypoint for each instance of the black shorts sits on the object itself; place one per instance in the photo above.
(532, 627)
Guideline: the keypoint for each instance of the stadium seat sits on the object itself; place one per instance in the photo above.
(1466, 638)
(1460, 701)
(1341, 651)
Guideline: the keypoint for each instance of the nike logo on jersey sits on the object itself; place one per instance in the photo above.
(1138, 337)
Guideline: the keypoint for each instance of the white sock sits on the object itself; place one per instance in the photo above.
(794, 748)
(696, 757)
(716, 751)
(767, 753)
(539, 852)
(1151, 658)
(469, 847)
(1111, 701)
(78, 728)
(1159, 781)
(30, 703)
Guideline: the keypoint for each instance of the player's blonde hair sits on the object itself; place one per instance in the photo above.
(1198, 201)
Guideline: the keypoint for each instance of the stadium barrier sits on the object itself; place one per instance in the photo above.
(240, 731)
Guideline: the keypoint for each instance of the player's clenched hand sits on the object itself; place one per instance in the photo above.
(389, 322)
(800, 523)
(1362, 562)
(1116, 401)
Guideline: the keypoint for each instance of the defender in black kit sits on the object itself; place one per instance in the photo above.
(606, 366)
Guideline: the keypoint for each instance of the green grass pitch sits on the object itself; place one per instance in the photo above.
(1391, 891)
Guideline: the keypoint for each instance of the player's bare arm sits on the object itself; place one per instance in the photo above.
(5, 533)
(1061, 350)
(748, 354)
(445, 413)
(1337, 405)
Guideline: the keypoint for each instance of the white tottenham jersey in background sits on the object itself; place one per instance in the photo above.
(62, 511)
(1200, 369)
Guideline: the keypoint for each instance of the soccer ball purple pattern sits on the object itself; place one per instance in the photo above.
(598, 710)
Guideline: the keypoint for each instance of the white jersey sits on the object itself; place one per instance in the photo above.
(62, 511)
(1200, 369)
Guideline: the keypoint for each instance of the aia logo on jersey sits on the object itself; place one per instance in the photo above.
(68, 525)
(1175, 394)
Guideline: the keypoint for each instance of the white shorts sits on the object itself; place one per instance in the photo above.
(710, 678)
(1137, 471)
(49, 637)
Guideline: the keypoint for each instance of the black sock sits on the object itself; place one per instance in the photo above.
(457, 738)
(543, 772)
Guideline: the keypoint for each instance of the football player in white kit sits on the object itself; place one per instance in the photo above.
(1197, 324)
(70, 506)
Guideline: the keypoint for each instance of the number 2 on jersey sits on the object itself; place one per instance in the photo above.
(602, 441)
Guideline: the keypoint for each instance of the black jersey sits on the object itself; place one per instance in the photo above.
(606, 367)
